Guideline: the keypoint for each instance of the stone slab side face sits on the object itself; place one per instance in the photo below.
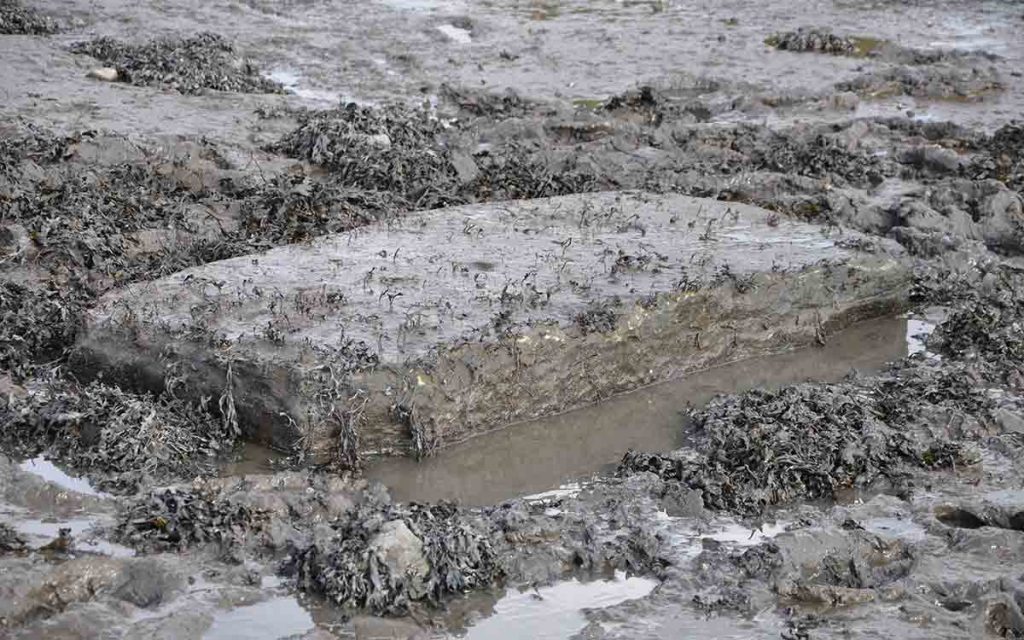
(454, 322)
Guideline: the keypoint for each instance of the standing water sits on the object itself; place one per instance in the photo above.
(541, 455)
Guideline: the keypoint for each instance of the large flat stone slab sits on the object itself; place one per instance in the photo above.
(453, 322)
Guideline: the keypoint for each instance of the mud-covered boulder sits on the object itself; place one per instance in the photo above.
(409, 336)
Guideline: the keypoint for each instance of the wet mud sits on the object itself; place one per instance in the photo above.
(870, 486)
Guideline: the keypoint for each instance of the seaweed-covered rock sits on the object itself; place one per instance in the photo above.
(408, 155)
(938, 81)
(1005, 160)
(652, 106)
(496, 106)
(118, 437)
(17, 19)
(356, 563)
(817, 156)
(296, 208)
(764, 448)
(10, 540)
(816, 40)
(36, 325)
(187, 65)
(987, 326)
(175, 519)
(809, 441)
(390, 149)
(96, 219)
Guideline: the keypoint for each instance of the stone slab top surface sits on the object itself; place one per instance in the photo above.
(446, 276)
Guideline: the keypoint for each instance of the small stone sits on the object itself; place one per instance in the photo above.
(148, 583)
(106, 74)
(379, 140)
(15, 241)
(77, 580)
(401, 550)
(680, 502)
(8, 388)
(1009, 421)
(465, 167)
(844, 101)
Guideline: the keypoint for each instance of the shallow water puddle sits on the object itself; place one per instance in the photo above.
(424, 5)
(42, 532)
(904, 529)
(52, 473)
(535, 457)
(565, 491)
(278, 617)
(734, 534)
(252, 458)
(920, 326)
(556, 612)
(293, 82)
(687, 537)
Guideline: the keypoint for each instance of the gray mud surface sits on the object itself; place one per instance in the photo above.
(270, 204)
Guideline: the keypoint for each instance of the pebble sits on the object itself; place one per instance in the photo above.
(106, 74)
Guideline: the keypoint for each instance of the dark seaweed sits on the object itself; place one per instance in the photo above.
(187, 65)
(119, 438)
(176, 519)
(17, 19)
(342, 568)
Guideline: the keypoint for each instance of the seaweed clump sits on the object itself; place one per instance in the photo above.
(175, 519)
(766, 448)
(986, 327)
(817, 155)
(30, 142)
(119, 438)
(187, 65)
(10, 540)
(389, 149)
(91, 218)
(36, 325)
(515, 172)
(1005, 158)
(295, 208)
(812, 40)
(16, 19)
(349, 565)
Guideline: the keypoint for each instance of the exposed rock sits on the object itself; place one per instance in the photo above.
(817, 40)
(401, 550)
(77, 580)
(106, 74)
(456, 321)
